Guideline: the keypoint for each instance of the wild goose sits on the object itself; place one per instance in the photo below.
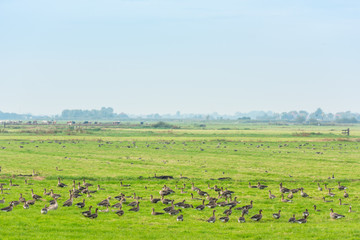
(21, 199)
(226, 193)
(99, 188)
(15, 203)
(225, 219)
(30, 202)
(216, 189)
(212, 219)
(180, 218)
(350, 210)
(346, 195)
(302, 220)
(57, 169)
(60, 184)
(2, 201)
(252, 186)
(166, 201)
(35, 196)
(86, 184)
(257, 217)
(290, 195)
(119, 212)
(80, 204)
(306, 213)
(292, 219)
(260, 186)
(210, 187)
(327, 200)
(182, 191)
(242, 218)
(120, 196)
(133, 204)
(135, 209)
(80, 188)
(174, 211)
(232, 203)
(335, 215)
(117, 205)
(202, 193)
(283, 189)
(168, 209)
(276, 215)
(164, 193)
(26, 182)
(193, 188)
(88, 195)
(186, 205)
(271, 196)
(87, 213)
(181, 176)
(180, 204)
(201, 207)
(124, 185)
(228, 211)
(46, 193)
(53, 195)
(94, 215)
(156, 213)
(13, 185)
(340, 203)
(285, 200)
(303, 194)
(246, 207)
(53, 206)
(330, 193)
(341, 187)
(154, 200)
(44, 210)
(295, 190)
(319, 188)
(315, 209)
(9, 208)
(105, 210)
(105, 202)
(26, 206)
(192, 197)
(327, 187)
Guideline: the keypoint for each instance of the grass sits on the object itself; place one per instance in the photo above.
(244, 153)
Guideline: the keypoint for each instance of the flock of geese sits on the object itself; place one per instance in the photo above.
(224, 199)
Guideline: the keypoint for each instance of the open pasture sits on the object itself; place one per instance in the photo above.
(297, 156)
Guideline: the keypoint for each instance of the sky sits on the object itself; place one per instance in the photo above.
(192, 56)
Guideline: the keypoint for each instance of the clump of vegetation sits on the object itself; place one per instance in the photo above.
(164, 125)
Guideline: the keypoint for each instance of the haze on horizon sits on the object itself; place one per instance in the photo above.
(160, 56)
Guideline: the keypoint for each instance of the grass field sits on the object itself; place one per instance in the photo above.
(244, 153)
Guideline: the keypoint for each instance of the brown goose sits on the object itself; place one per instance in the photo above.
(13, 185)
(192, 197)
(290, 195)
(292, 219)
(2, 201)
(271, 196)
(135, 209)
(133, 204)
(9, 208)
(168, 209)
(340, 203)
(30, 202)
(252, 186)
(212, 219)
(193, 188)
(306, 213)
(180, 218)
(202, 193)
(124, 185)
(44, 210)
(302, 220)
(26, 206)
(228, 211)
(341, 187)
(94, 215)
(53, 195)
(330, 193)
(21, 199)
(346, 195)
(257, 217)
(283, 189)
(315, 209)
(174, 211)
(260, 186)
(327, 200)
(105, 210)
(303, 194)
(201, 207)
(350, 210)
(60, 184)
(120, 212)
(335, 215)
(46, 193)
(54, 206)
(319, 188)
(87, 213)
(180, 204)
(166, 201)
(225, 219)
(100, 188)
(35, 196)
(154, 200)
(186, 205)
(276, 215)
(105, 202)
(242, 218)
(285, 200)
(117, 205)
(86, 184)
(80, 204)
(156, 213)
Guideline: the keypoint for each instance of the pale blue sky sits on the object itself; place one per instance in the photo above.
(160, 56)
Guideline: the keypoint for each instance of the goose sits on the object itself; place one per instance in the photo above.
(211, 188)
(303, 194)
(285, 200)
(225, 219)
(246, 207)
(193, 188)
(164, 193)
(180, 204)
(124, 185)
(302, 220)
(87, 213)
(80, 188)
(21, 199)
(135, 209)
(120, 196)
(86, 184)
(35, 196)
(88, 195)
(350, 210)
(46, 193)
(335, 215)
(80, 204)
(327, 200)
(181, 176)
(306, 213)
(276, 215)
(202, 193)
(168, 209)
(327, 187)
(53, 195)
(216, 189)
(252, 186)
(53, 206)
(228, 211)
(9, 208)
(105, 202)
(2, 201)
(13, 185)
(330, 193)
(290, 195)
(212, 219)
(315, 209)
(242, 218)
(156, 213)
(44, 210)
(260, 186)
(226, 193)
(26, 182)
(341, 187)
(26, 206)
(346, 195)
(94, 215)
(257, 217)
(192, 197)
(182, 191)
(201, 207)
(319, 188)
(166, 201)
(133, 204)
(180, 218)
(283, 189)
(120, 212)
(117, 205)
(271, 196)
(60, 184)
(186, 205)
(57, 169)
(105, 210)
(340, 203)
(232, 203)
(292, 219)
(154, 200)
(30, 202)
(99, 188)
(295, 190)
(174, 211)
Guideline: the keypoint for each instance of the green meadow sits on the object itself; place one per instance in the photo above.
(296, 155)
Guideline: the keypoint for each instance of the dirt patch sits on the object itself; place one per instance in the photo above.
(38, 178)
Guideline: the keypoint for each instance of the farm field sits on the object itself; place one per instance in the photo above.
(296, 156)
